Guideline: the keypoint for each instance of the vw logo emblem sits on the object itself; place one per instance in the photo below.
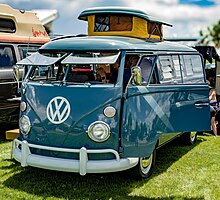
(58, 110)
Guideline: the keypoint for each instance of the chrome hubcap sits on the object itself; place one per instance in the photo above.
(146, 164)
(193, 136)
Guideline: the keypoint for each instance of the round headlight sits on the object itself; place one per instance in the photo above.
(23, 106)
(99, 131)
(24, 124)
(109, 111)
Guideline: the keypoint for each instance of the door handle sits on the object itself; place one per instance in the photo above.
(202, 104)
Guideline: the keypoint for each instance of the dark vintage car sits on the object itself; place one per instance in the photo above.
(20, 34)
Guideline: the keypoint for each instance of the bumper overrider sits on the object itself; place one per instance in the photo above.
(23, 155)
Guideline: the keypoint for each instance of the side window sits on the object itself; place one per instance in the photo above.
(7, 25)
(192, 69)
(7, 56)
(105, 23)
(178, 69)
(169, 69)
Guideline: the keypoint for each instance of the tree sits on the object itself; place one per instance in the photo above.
(213, 35)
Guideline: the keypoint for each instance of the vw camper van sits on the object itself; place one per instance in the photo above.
(20, 32)
(106, 101)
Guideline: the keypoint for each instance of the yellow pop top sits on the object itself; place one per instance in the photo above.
(122, 21)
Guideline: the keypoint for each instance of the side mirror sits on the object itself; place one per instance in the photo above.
(136, 75)
(16, 75)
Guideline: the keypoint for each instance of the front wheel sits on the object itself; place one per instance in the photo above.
(145, 166)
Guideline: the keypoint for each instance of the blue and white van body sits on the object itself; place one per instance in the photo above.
(73, 120)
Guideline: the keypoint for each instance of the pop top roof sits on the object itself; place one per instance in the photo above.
(122, 21)
(119, 10)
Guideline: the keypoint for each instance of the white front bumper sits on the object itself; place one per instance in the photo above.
(82, 166)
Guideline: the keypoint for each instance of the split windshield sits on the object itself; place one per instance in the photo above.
(80, 67)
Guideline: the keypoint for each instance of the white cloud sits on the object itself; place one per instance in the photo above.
(186, 19)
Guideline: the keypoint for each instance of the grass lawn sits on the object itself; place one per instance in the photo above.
(181, 172)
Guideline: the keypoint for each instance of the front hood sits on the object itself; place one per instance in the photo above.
(60, 115)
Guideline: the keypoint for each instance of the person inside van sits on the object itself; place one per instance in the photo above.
(5, 60)
(114, 72)
(101, 75)
(7, 57)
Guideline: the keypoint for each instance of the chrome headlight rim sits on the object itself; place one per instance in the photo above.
(94, 131)
(24, 124)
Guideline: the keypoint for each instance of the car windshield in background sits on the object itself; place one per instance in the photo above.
(25, 50)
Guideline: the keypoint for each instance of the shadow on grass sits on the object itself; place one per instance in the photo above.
(3, 139)
(46, 183)
(4, 128)
(172, 152)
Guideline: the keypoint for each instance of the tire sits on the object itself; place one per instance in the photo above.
(189, 138)
(145, 166)
(218, 129)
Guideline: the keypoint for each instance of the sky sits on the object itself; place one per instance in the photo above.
(188, 17)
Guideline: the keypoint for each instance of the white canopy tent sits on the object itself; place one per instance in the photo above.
(47, 18)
